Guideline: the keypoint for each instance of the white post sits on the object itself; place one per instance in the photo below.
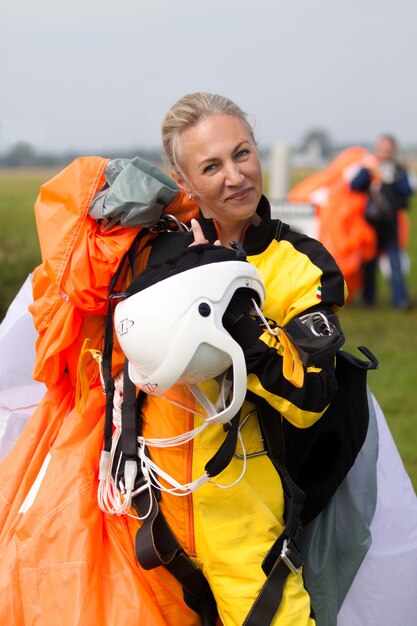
(279, 172)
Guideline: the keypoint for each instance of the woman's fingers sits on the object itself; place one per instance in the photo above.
(199, 235)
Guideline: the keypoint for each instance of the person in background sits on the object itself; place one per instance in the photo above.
(388, 186)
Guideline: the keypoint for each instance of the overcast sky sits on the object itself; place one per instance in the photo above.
(87, 75)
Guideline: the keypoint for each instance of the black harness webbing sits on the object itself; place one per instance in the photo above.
(161, 548)
(155, 545)
(108, 341)
(130, 427)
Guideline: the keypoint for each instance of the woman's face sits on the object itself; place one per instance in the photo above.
(221, 168)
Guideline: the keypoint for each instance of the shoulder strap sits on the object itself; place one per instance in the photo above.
(108, 340)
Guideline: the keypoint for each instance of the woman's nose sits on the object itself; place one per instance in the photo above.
(233, 174)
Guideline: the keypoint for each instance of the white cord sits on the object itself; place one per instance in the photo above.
(117, 499)
(111, 499)
(272, 331)
(179, 489)
(243, 468)
(211, 413)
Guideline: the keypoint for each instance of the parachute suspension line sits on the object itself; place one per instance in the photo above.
(98, 357)
(152, 470)
(116, 499)
(211, 411)
(108, 495)
(112, 498)
(106, 360)
(155, 473)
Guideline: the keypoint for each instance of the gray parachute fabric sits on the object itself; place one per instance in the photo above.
(135, 195)
(335, 543)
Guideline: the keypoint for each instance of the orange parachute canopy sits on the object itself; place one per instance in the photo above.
(62, 560)
(79, 259)
(342, 225)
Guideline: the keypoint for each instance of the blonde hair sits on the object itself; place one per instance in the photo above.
(189, 111)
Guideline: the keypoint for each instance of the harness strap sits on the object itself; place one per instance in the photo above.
(284, 556)
(155, 543)
(273, 438)
(130, 422)
(269, 599)
(107, 377)
(108, 341)
(221, 459)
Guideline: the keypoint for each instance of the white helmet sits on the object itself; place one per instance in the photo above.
(171, 331)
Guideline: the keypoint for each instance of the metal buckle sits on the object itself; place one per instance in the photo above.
(168, 223)
(284, 557)
(317, 323)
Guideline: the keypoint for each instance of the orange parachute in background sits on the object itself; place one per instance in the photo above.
(62, 560)
(342, 227)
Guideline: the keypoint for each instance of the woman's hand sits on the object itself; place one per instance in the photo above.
(199, 235)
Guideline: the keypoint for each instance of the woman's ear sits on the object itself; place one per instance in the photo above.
(181, 182)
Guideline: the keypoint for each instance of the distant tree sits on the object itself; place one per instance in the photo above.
(20, 155)
(317, 143)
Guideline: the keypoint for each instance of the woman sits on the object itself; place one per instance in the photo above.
(214, 160)
(227, 533)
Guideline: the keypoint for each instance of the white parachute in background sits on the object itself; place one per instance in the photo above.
(19, 393)
(385, 587)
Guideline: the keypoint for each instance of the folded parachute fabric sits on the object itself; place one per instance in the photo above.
(136, 193)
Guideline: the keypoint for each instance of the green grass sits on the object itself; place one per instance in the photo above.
(19, 248)
(391, 335)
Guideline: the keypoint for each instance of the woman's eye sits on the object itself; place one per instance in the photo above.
(209, 168)
(242, 154)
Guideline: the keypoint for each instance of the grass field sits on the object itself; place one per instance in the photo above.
(391, 335)
(19, 248)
